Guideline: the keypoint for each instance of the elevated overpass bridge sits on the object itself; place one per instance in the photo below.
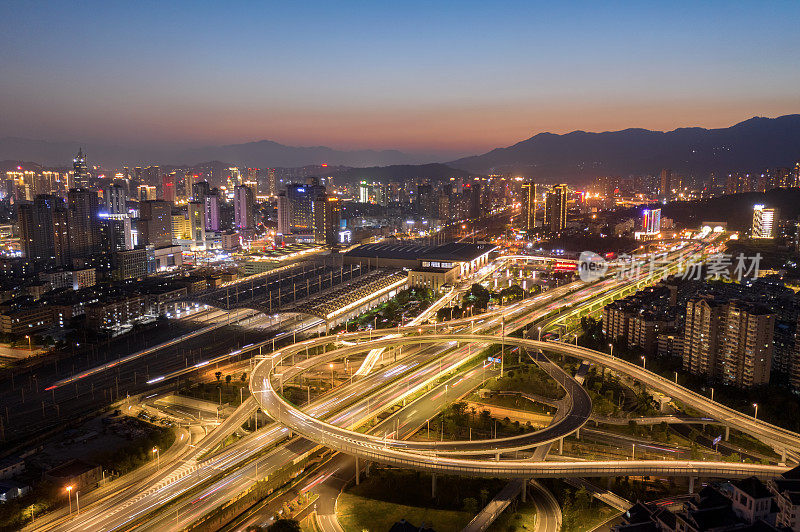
(400, 452)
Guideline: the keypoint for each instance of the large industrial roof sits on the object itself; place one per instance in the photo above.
(453, 251)
(390, 250)
(458, 251)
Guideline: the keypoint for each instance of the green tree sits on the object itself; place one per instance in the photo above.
(485, 418)
(228, 380)
(484, 494)
(582, 498)
(284, 525)
(567, 515)
(459, 410)
(218, 375)
(470, 505)
(511, 293)
(243, 378)
(477, 296)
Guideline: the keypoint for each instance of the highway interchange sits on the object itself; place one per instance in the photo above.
(435, 368)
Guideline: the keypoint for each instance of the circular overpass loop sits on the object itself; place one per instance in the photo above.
(434, 458)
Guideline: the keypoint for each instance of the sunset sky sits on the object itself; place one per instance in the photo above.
(455, 78)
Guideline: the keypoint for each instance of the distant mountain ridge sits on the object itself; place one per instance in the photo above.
(385, 174)
(752, 145)
(254, 154)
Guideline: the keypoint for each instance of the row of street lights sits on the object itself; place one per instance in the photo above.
(77, 501)
(644, 366)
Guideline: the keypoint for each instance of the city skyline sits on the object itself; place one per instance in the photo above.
(420, 266)
(448, 83)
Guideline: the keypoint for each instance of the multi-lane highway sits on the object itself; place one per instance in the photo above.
(238, 466)
(397, 452)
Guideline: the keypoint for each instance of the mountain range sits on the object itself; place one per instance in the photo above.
(752, 145)
(252, 154)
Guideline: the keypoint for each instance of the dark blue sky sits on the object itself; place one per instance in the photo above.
(457, 76)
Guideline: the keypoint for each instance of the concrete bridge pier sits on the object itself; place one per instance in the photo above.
(433, 485)
(525, 490)
(357, 472)
(497, 457)
(727, 432)
(691, 484)
(561, 446)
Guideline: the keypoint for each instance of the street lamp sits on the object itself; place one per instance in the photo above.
(644, 363)
(755, 416)
(69, 496)
(611, 350)
(540, 332)
(676, 377)
(30, 347)
(158, 458)
(331, 366)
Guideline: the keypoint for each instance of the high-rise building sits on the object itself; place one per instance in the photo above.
(212, 210)
(252, 175)
(197, 222)
(115, 233)
(701, 336)
(666, 184)
(444, 207)
(764, 220)
(327, 216)
(152, 175)
(426, 201)
(253, 186)
(155, 223)
(43, 228)
(530, 204)
(114, 198)
(243, 207)
(190, 179)
(739, 182)
(781, 177)
(651, 221)
(200, 190)
(372, 193)
(728, 341)
(168, 188)
(181, 228)
(284, 215)
(84, 222)
(556, 209)
(49, 182)
(234, 177)
(796, 175)
(475, 202)
(301, 208)
(147, 192)
(746, 355)
(272, 182)
(80, 170)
